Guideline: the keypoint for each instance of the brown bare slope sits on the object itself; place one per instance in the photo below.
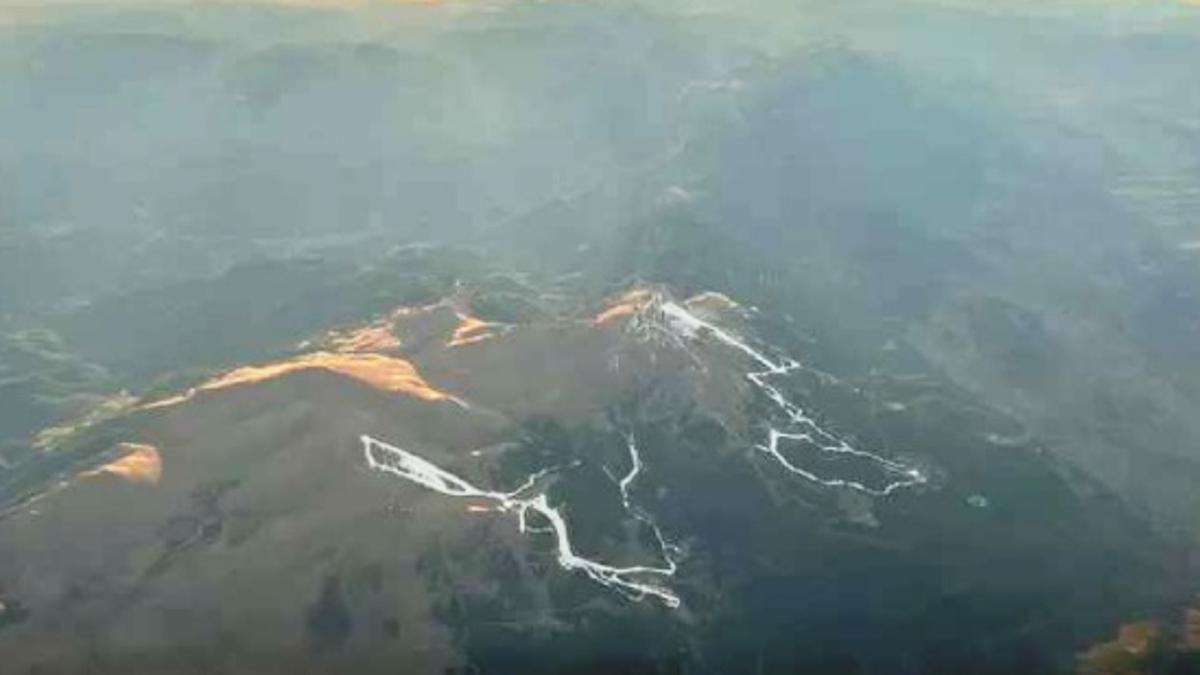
(265, 545)
(237, 528)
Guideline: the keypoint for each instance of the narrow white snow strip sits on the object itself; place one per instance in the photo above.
(801, 425)
(669, 551)
(635, 582)
(641, 581)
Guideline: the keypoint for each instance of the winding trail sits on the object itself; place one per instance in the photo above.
(635, 582)
(801, 426)
(668, 323)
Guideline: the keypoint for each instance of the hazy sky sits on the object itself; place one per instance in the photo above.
(34, 4)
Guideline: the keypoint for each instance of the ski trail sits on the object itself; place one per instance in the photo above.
(635, 582)
(801, 426)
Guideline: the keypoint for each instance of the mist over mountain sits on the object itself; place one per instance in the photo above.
(599, 337)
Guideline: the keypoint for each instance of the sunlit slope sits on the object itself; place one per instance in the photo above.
(228, 516)
(589, 470)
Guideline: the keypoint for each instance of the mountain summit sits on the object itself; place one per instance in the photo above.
(413, 486)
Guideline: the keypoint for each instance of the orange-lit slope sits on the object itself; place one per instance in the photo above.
(468, 331)
(627, 305)
(376, 337)
(138, 463)
(382, 372)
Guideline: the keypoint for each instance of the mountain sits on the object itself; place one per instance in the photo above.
(644, 480)
(853, 337)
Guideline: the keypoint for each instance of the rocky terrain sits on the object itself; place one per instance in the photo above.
(438, 487)
(853, 337)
